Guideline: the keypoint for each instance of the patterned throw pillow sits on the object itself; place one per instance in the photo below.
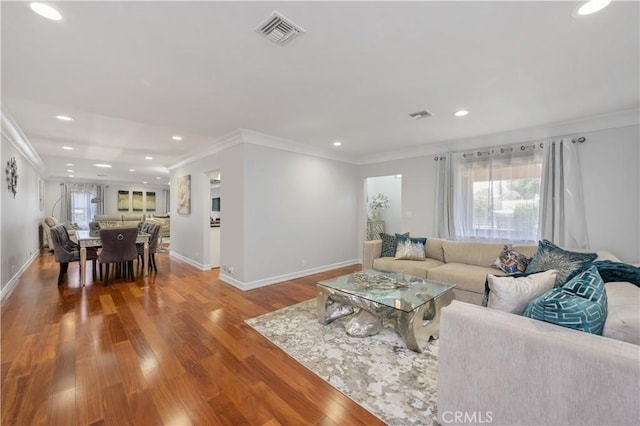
(409, 250)
(580, 304)
(511, 261)
(550, 256)
(390, 244)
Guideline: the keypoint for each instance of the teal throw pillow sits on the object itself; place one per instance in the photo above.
(550, 256)
(580, 304)
(390, 244)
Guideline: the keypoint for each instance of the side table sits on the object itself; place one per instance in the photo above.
(374, 229)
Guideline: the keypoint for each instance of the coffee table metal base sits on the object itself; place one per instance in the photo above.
(415, 327)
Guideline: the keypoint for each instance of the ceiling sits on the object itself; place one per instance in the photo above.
(134, 74)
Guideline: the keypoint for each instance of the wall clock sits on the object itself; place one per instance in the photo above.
(12, 176)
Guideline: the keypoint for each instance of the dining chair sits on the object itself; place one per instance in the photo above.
(66, 251)
(152, 229)
(119, 248)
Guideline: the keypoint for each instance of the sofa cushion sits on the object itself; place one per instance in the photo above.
(581, 304)
(433, 249)
(418, 268)
(390, 244)
(623, 318)
(464, 277)
(513, 294)
(470, 253)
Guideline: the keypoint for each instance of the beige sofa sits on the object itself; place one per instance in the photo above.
(48, 223)
(500, 368)
(465, 264)
(504, 369)
(119, 220)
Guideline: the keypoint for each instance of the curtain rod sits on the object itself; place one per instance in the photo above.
(579, 139)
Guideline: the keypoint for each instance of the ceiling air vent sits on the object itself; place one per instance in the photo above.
(420, 114)
(279, 29)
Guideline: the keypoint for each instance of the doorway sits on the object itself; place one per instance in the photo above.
(215, 217)
(383, 205)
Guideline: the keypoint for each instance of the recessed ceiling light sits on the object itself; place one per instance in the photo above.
(168, 183)
(148, 158)
(144, 183)
(69, 171)
(461, 113)
(132, 170)
(46, 11)
(176, 138)
(69, 164)
(337, 143)
(157, 177)
(68, 148)
(104, 166)
(592, 6)
(64, 118)
(70, 175)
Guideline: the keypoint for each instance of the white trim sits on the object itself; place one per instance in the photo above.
(262, 139)
(14, 135)
(227, 141)
(200, 266)
(11, 284)
(578, 126)
(286, 277)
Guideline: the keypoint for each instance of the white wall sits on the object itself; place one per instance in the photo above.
(284, 215)
(20, 218)
(300, 213)
(391, 187)
(609, 163)
(52, 197)
(190, 233)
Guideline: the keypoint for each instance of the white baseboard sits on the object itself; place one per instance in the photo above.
(11, 284)
(286, 277)
(200, 266)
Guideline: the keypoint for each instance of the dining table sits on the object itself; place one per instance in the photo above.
(91, 238)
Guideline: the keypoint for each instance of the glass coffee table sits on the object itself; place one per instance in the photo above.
(411, 303)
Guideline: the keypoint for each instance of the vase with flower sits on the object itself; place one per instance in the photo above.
(378, 202)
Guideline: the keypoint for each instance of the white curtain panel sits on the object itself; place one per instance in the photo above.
(562, 214)
(496, 194)
(444, 197)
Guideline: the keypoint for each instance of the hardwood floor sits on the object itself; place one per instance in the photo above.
(171, 348)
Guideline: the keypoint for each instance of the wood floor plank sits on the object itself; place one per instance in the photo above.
(170, 348)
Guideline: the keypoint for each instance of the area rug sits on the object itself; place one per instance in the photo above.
(392, 382)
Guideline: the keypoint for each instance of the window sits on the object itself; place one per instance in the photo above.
(82, 210)
(496, 196)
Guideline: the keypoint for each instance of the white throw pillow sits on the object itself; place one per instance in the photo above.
(510, 294)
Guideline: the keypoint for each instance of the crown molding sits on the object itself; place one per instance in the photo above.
(226, 141)
(12, 133)
(595, 123)
(256, 138)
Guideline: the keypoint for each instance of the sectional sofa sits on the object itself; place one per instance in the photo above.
(500, 368)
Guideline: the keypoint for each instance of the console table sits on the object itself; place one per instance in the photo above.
(374, 229)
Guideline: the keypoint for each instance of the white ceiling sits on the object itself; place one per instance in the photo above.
(132, 74)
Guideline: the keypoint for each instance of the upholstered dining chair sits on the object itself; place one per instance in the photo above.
(66, 251)
(118, 247)
(154, 230)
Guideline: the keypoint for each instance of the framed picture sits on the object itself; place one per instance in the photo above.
(123, 200)
(41, 193)
(183, 195)
(136, 201)
(151, 201)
